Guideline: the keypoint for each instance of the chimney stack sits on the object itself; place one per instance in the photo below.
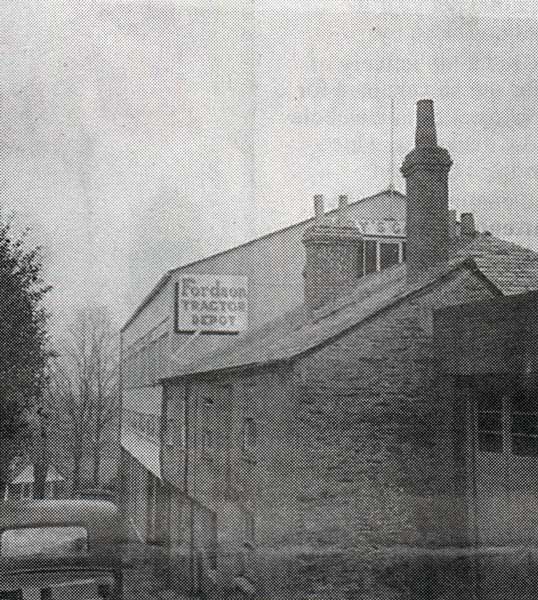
(319, 210)
(342, 206)
(333, 257)
(426, 169)
(467, 225)
(342, 201)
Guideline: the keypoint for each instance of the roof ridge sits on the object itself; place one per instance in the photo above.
(268, 346)
(168, 274)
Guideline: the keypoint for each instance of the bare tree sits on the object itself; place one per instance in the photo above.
(84, 391)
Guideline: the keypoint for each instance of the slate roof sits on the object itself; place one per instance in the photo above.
(168, 275)
(510, 269)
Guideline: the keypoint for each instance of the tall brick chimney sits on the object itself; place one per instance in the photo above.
(333, 256)
(426, 169)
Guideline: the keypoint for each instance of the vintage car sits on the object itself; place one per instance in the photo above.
(60, 550)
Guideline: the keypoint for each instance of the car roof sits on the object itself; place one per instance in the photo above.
(100, 518)
(95, 514)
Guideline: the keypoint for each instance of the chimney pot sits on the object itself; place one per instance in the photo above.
(467, 224)
(425, 135)
(342, 201)
(319, 210)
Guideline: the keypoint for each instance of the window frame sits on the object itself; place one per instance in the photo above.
(519, 434)
(249, 429)
(208, 426)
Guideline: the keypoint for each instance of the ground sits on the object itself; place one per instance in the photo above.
(140, 579)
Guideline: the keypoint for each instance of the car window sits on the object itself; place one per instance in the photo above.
(49, 541)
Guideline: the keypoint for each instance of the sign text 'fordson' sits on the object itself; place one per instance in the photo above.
(211, 303)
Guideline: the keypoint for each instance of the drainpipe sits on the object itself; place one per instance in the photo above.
(472, 412)
(190, 496)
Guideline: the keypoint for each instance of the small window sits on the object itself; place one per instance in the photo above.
(175, 416)
(524, 424)
(490, 422)
(212, 550)
(249, 529)
(152, 426)
(388, 254)
(161, 356)
(246, 555)
(26, 490)
(208, 440)
(152, 362)
(170, 431)
(250, 435)
(370, 256)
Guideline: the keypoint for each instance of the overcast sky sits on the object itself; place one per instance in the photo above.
(135, 137)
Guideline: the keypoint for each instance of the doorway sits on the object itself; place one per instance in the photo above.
(505, 447)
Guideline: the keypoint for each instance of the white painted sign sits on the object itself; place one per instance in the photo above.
(212, 303)
(384, 227)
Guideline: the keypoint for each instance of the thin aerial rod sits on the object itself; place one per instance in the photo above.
(391, 178)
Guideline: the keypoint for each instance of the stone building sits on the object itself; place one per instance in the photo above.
(156, 342)
(293, 451)
(329, 451)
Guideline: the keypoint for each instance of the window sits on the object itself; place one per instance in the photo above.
(250, 435)
(151, 427)
(404, 251)
(208, 441)
(249, 529)
(144, 356)
(489, 422)
(245, 566)
(524, 424)
(161, 356)
(52, 541)
(26, 490)
(49, 489)
(175, 416)
(370, 256)
(388, 254)
(212, 548)
(152, 362)
(136, 367)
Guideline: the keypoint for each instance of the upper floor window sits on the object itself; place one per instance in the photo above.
(250, 435)
(152, 362)
(382, 253)
(208, 440)
(175, 416)
(370, 256)
(389, 254)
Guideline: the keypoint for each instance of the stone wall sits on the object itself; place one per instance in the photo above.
(381, 454)
(356, 455)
